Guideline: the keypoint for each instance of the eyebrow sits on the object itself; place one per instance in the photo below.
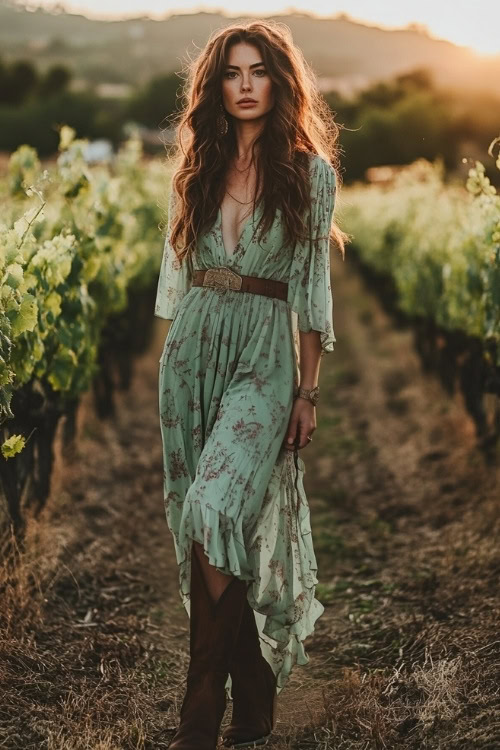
(237, 67)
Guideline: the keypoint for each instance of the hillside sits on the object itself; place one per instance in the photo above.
(343, 53)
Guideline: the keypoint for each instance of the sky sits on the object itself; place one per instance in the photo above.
(470, 23)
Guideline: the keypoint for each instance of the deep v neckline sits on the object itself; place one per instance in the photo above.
(239, 245)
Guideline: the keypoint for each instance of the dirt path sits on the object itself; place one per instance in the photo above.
(404, 519)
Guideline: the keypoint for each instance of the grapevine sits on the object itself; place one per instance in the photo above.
(78, 246)
(433, 251)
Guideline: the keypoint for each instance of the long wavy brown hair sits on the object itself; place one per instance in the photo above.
(299, 124)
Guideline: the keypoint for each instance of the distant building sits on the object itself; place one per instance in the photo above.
(113, 90)
(100, 150)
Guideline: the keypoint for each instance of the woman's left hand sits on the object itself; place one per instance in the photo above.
(301, 425)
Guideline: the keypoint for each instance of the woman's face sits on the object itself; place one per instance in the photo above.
(245, 77)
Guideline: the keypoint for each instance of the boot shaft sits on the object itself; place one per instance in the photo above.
(214, 629)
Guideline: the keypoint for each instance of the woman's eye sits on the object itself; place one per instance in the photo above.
(230, 73)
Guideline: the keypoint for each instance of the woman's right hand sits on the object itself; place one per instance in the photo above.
(301, 425)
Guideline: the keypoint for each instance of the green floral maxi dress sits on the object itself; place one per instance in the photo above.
(227, 373)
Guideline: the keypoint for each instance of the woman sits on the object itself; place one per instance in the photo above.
(247, 249)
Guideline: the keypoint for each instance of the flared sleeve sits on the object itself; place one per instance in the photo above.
(309, 288)
(175, 278)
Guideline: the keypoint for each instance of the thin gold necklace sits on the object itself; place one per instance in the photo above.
(242, 170)
(243, 203)
(246, 168)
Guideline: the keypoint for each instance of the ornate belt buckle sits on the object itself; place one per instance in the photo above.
(222, 277)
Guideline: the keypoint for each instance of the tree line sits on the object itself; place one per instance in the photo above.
(390, 122)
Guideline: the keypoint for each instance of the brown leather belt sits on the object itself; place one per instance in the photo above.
(223, 277)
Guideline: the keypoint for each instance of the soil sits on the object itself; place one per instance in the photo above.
(405, 521)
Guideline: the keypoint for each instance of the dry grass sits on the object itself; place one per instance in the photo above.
(75, 670)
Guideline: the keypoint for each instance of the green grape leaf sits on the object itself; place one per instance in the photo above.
(62, 370)
(53, 303)
(13, 275)
(13, 445)
(27, 315)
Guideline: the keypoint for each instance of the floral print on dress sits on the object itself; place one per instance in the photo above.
(227, 375)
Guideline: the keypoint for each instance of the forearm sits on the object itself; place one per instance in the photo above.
(310, 358)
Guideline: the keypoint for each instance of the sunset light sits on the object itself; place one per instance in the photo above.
(475, 25)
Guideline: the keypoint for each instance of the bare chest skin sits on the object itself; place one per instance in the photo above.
(235, 215)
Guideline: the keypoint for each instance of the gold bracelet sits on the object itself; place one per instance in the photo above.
(310, 394)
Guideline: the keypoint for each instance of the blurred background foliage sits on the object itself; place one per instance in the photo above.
(397, 95)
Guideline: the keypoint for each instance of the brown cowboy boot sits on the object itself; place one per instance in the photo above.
(253, 689)
(213, 632)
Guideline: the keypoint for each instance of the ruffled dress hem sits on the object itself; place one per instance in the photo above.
(282, 594)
